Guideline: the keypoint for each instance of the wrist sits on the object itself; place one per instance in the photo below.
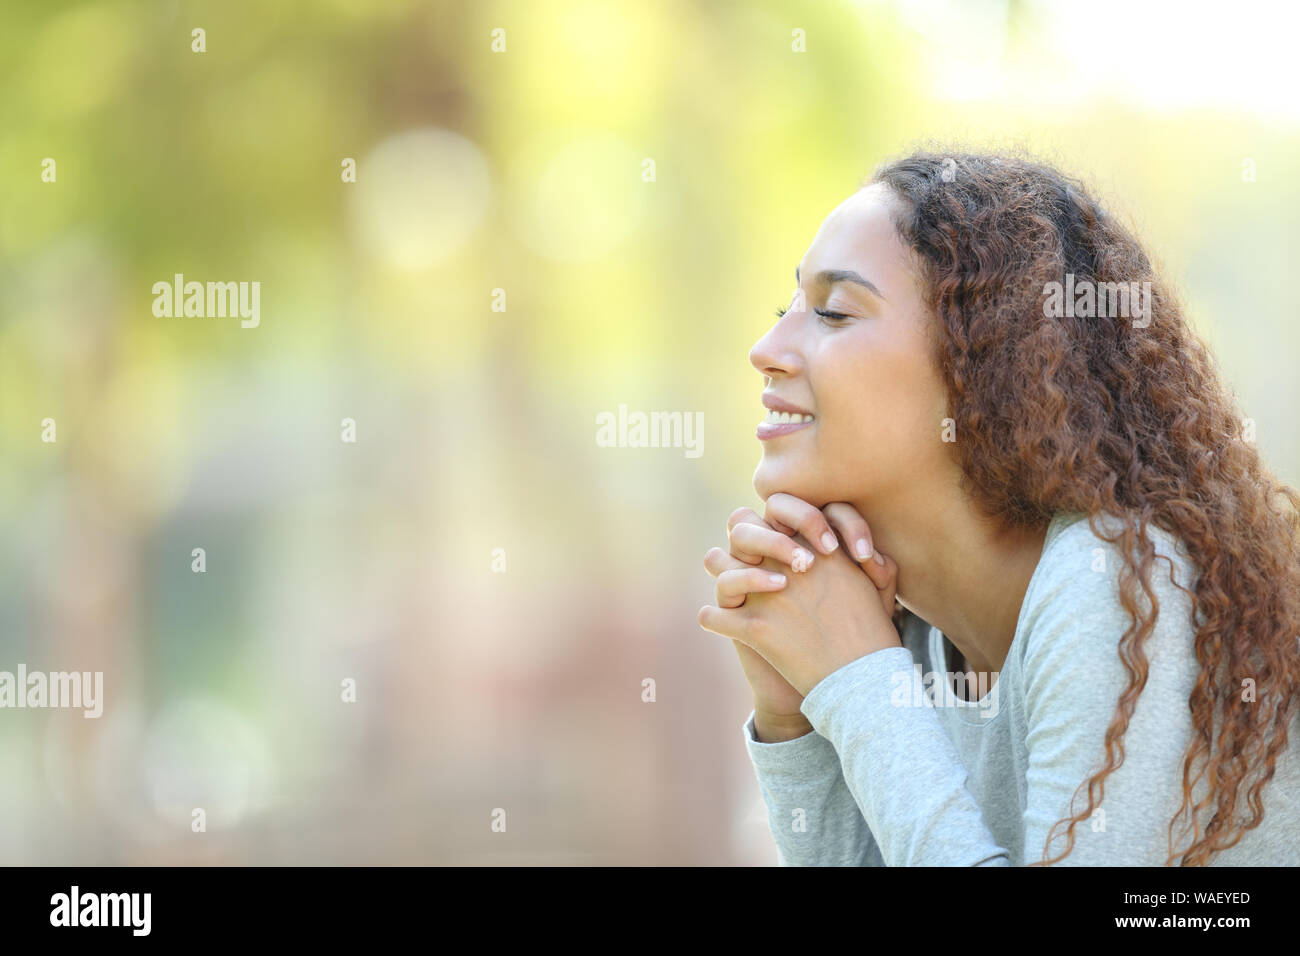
(778, 728)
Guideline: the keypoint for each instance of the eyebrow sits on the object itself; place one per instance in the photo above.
(832, 276)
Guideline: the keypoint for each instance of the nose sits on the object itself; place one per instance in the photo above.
(776, 353)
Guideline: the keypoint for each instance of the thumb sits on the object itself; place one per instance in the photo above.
(883, 576)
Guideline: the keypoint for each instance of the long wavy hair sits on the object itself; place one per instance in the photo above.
(1105, 416)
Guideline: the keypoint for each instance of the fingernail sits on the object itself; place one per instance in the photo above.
(778, 578)
(828, 541)
(802, 560)
(864, 549)
(879, 560)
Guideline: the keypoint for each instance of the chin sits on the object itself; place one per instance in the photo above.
(770, 479)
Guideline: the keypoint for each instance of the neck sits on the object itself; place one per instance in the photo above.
(958, 570)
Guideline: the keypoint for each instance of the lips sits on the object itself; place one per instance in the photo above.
(781, 405)
(782, 418)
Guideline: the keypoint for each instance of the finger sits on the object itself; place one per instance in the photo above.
(778, 525)
(800, 516)
(852, 528)
(718, 560)
(883, 571)
(891, 568)
(750, 515)
(751, 544)
(745, 514)
(723, 622)
(733, 586)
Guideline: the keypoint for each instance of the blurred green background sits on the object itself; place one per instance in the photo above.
(497, 585)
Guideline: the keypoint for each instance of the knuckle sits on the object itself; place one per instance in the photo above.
(730, 595)
(811, 519)
(744, 548)
(813, 528)
(759, 540)
(781, 502)
(737, 516)
(781, 507)
(845, 515)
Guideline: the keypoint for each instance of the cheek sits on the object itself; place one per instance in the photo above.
(887, 409)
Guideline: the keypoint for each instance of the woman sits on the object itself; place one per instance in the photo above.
(1044, 477)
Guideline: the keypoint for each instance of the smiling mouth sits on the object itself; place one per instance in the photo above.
(784, 418)
(781, 423)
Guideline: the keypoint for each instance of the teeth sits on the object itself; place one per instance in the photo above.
(781, 418)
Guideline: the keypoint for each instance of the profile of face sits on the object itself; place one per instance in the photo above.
(853, 351)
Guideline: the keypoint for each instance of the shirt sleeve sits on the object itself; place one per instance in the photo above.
(910, 782)
(900, 766)
(810, 811)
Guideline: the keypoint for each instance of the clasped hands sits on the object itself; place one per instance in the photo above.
(797, 605)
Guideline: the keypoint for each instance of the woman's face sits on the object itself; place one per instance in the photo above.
(868, 379)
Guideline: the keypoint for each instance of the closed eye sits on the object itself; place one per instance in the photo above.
(826, 313)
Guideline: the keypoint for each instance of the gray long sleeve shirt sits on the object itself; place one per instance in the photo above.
(899, 771)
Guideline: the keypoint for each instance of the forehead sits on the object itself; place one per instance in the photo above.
(859, 234)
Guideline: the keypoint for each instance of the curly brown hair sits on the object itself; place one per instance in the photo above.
(1100, 415)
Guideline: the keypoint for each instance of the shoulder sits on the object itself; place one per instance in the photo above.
(1073, 607)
